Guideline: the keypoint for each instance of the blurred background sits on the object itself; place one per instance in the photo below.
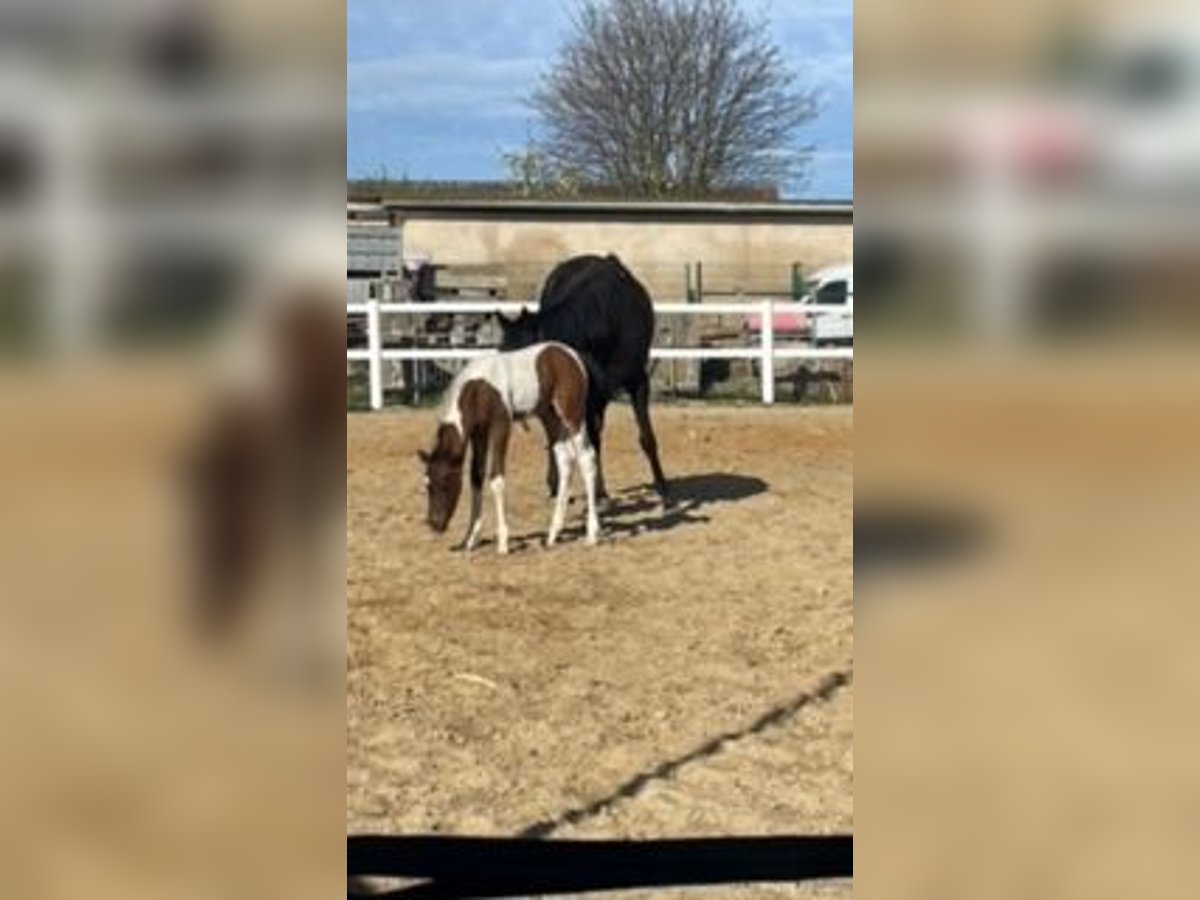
(1029, 177)
(171, 621)
(1028, 202)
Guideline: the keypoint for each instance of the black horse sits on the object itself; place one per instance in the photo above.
(595, 305)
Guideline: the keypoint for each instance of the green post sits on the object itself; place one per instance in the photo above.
(797, 281)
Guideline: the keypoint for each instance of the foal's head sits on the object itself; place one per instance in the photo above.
(443, 476)
(519, 332)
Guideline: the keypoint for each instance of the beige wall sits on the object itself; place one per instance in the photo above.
(756, 257)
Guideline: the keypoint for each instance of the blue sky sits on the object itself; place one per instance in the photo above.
(434, 87)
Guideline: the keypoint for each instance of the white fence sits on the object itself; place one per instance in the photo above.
(765, 350)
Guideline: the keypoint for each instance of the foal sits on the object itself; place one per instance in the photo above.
(548, 380)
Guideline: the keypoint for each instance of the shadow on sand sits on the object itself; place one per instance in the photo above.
(638, 509)
(635, 510)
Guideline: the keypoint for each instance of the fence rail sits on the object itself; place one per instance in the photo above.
(765, 350)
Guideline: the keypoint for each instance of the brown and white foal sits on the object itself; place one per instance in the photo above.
(548, 380)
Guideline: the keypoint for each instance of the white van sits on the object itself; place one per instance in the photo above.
(832, 288)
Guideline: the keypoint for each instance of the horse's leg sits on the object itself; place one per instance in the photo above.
(475, 524)
(563, 457)
(586, 454)
(640, 394)
(498, 445)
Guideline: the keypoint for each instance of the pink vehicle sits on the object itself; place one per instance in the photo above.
(824, 315)
(789, 322)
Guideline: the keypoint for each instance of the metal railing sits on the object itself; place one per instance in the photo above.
(766, 350)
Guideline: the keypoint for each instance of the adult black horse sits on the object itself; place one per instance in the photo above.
(596, 305)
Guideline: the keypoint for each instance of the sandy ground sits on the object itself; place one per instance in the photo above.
(692, 675)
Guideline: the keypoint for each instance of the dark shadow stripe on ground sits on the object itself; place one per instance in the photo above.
(777, 715)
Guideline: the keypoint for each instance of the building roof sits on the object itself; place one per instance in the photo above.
(824, 212)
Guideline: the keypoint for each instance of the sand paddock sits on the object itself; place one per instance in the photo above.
(691, 675)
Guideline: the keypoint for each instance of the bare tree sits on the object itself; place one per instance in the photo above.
(672, 98)
(532, 173)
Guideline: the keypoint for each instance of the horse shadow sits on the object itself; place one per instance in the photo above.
(637, 510)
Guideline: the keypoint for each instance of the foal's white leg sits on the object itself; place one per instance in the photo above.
(586, 454)
(497, 485)
(563, 454)
(475, 526)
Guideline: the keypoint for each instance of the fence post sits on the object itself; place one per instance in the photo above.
(767, 368)
(375, 349)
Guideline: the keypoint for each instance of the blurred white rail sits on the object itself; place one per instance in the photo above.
(765, 350)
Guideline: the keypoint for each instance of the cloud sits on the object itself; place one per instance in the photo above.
(471, 27)
(446, 83)
(807, 11)
(833, 71)
(817, 40)
(832, 155)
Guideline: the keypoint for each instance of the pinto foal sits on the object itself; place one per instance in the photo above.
(548, 380)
